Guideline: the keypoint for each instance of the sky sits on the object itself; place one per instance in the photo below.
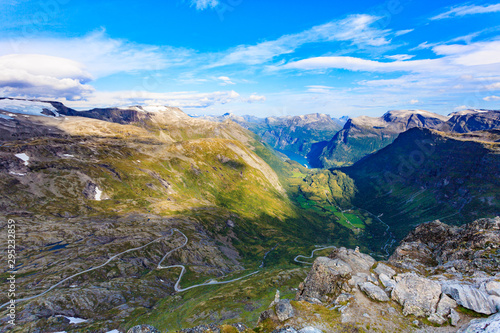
(258, 57)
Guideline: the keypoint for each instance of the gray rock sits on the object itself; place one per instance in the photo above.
(384, 269)
(496, 301)
(436, 319)
(310, 329)
(418, 296)
(493, 288)
(469, 297)
(388, 283)
(343, 298)
(374, 292)
(284, 310)
(445, 305)
(360, 278)
(143, 329)
(454, 317)
(358, 261)
(486, 325)
(327, 277)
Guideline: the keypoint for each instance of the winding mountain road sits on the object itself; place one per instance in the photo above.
(296, 259)
(176, 286)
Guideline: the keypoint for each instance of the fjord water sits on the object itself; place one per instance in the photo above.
(296, 157)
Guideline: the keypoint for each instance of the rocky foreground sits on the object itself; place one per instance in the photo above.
(440, 279)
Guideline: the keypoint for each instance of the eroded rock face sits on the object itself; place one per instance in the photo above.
(418, 296)
(487, 325)
(469, 297)
(467, 249)
(325, 281)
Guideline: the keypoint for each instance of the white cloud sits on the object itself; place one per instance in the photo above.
(182, 99)
(254, 98)
(493, 86)
(101, 54)
(41, 75)
(492, 98)
(403, 32)
(467, 10)
(204, 4)
(358, 64)
(400, 57)
(225, 80)
(414, 101)
(355, 29)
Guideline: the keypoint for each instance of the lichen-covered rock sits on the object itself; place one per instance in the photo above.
(374, 292)
(436, 319)
(418, 296)
(284, 310)
(469, 297)
(384, 269)
(143, 329)
(487, 325)
(467, 249)
(325, 281)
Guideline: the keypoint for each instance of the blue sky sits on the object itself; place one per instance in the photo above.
(254, 56)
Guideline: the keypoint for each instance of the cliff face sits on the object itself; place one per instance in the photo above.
(472, 120)
(425, 175)
(364, 135)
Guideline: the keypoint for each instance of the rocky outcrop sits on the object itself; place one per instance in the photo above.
(487, 325)
(467, 249)
(327, 278)
(469, 297)
(418, 296)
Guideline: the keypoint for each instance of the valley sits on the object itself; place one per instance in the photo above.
(147, 215)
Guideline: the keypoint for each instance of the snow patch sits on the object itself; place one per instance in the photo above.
(68, 155)
(74, 320)
(17, 174)
(98, 194)
(23, 157)
(34, 108)
(5, 117)
(113, 331)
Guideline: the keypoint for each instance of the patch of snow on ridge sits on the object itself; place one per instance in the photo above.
(5, 117)
(98, 194)
(74, 320)
(34, 108)
(113, 331)
(23, 157)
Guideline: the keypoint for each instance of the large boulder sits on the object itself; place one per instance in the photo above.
(486, 325)
(418, 296)
(284, 310)
(469, 297)
(373, 292)
(325, 281)
(384, 269)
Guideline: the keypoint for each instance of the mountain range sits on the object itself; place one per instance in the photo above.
(111, 204)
